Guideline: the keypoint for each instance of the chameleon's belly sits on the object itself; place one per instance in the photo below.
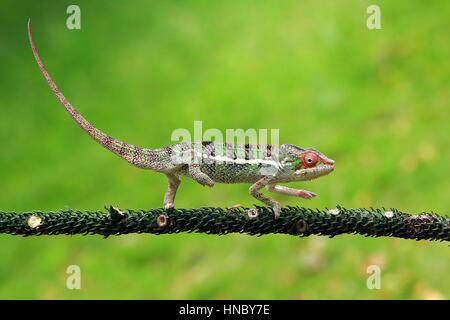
(229, 172)
(232, 172)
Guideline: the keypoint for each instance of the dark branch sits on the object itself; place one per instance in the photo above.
(295, 221)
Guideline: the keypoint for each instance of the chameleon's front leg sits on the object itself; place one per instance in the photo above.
(190, 159)
(174, 182)
(254, 191)
(196, 174)
(290, 191)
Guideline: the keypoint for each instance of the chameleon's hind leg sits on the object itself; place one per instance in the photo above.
(254, 191)
(174, 182)
(290, 192)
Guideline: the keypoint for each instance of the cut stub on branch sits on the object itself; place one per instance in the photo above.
(252, 213)
(161, 220)
(296, 221)
(34, 222)
(302, 226)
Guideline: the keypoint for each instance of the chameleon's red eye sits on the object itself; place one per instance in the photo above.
(310, 159)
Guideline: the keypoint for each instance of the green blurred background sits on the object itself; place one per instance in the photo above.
(376, 101)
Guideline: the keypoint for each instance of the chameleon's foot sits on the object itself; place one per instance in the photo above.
(204, 180)
(168, 205)
(276, 209)
(209, 184)
(305, 194)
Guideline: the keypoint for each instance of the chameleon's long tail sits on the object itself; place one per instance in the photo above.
(140, 157)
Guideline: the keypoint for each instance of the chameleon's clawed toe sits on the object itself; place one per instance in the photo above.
(306, 194)
(168, 206)
(277, 210)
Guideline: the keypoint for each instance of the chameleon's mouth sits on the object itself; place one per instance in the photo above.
(312, 173)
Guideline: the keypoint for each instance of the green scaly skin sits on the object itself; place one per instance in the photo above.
(209, 162)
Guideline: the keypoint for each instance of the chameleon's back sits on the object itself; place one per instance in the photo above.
(232, 163)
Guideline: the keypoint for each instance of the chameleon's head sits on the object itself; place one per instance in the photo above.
(305, 164)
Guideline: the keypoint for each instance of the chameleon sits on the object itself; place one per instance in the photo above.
(210, 162)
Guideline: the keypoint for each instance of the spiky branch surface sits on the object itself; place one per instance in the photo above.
(296, 221)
